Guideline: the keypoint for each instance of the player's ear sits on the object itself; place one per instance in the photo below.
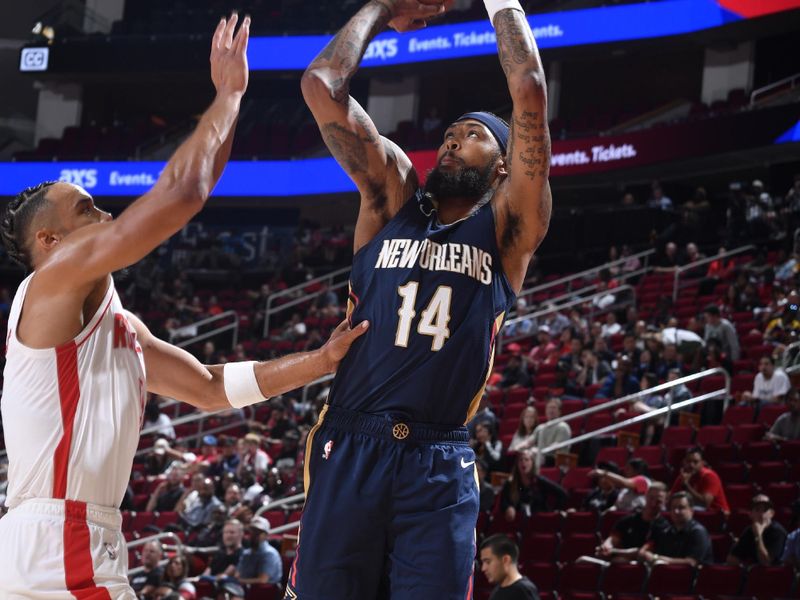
(501, 167)
(47, 239)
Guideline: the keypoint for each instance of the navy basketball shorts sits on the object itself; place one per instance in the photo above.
(390, 511)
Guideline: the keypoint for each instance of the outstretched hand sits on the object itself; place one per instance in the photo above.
(410, 15)
(339, 343)
(229, 70)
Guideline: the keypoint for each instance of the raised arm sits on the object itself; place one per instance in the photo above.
(383, 173)
(182, 188)
(523, 202)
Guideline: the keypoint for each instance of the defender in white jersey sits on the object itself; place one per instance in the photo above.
(78, 366)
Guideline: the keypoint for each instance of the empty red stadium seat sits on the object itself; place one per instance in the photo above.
(747, 433)
(545, 574)
(782, 494)
(712, 435)
(670, 579)
(579, 577)
(677, 436)
(754, 452)
(716, 454)
(764, 473)
(712, 520)
(766, 583)
(539, 547)
(739, 496)
(574, 546)
(769, 413)
(620, 578)
(577, 477)
(544, 522)
(580, 522)
(739, 415)
(612, 454)
(652, 455)
(721, 544)
(718, 580)
(732, 472)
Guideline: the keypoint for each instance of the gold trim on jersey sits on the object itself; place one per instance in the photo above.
(309, 443)
(473, 406)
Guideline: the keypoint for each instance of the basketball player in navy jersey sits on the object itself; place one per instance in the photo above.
(391, 493)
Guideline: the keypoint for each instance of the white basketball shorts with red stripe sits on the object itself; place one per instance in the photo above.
(62, 549)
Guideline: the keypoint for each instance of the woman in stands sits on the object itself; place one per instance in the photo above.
(523, 437)
(527, 492)
(486, 446)
(176, 573)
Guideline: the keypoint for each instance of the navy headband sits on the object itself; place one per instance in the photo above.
(494, 123)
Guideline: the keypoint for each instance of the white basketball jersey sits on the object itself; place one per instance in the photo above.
(72, 414)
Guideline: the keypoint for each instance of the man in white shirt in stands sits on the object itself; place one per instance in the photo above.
(770, 385)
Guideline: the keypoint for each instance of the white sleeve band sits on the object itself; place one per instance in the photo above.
(495, 6)
(241, 385)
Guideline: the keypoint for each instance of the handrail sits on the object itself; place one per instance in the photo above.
(285, 527)
(631, 398)
(200, 417)
(280, 502)
(323, 379)
(202, 336)
(502, 339)
(269, 311)
(646, 254)
(705, 261)
(178, 545)
(791, 80)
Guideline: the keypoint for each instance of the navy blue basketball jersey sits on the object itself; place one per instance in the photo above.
(435, 296)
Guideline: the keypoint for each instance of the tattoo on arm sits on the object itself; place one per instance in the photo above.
(530, 128)
(346, 146)
(345, 51)
(513, 43)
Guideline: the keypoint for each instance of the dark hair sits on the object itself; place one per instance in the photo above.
(695, 450)
(769, 358)
(652, 379)
(17, 221)
(501, 545)
(712, 309)
(638, 465)
(679, 496)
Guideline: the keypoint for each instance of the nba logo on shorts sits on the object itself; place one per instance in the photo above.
(326, 454)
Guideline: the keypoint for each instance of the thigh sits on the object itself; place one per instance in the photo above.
(41, 555)
(433, 526)
(342, 541)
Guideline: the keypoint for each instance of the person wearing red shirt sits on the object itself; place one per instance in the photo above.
(701, 483)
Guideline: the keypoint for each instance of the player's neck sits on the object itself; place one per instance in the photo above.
(512, 577)
(457, 208)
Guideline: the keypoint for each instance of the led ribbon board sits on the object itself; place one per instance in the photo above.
(552, 30)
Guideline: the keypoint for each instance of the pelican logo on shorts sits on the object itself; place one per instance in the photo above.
(112, 553)
(326, 451)
(400, 431)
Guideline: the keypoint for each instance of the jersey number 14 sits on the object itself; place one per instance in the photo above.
(433, 320)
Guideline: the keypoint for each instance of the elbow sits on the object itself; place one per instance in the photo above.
(315, 86)
(529, 86)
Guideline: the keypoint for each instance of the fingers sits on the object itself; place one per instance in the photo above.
(217, 38)
(431, 9)
(340, 328)
(242, 36)
(357, 331)
(417, 24)
(231, 27)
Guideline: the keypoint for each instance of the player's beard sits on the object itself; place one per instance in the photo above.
(465, 182)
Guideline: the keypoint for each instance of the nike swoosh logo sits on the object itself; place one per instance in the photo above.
(464, 465)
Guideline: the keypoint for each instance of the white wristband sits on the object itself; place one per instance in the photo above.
(495, 6)
(241, 385)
